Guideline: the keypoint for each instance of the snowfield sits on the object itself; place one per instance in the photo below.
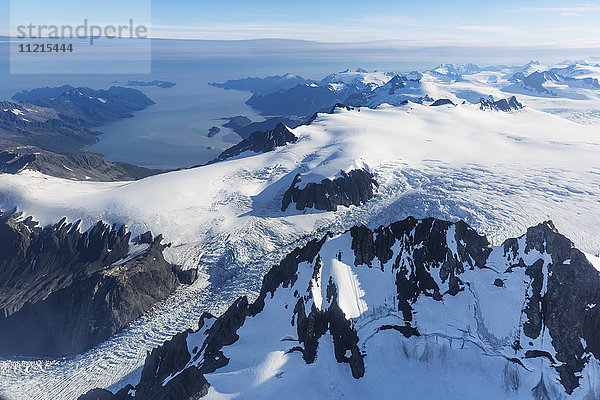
(500, 172)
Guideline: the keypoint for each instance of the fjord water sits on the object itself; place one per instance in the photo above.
(173, 132)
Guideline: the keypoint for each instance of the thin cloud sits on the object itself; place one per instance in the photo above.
(570, 14)
(488, 28)
(564, 11)
(393, 20)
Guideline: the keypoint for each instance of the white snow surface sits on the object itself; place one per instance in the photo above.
(500, 172)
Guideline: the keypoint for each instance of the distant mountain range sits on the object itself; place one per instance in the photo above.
(286, 97)
(49, 129)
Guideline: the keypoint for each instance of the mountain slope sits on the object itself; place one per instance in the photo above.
(82, 167)
(63, 291)
(366, 311)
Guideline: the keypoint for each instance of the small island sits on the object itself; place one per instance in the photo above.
(213, 131)
(157, 83)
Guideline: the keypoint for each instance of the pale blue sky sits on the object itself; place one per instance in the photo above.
(544, 23)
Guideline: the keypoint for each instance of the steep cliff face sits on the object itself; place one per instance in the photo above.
(351, 188)
(368, 306)
(63, 291)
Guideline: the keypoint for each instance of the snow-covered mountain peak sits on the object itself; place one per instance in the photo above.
(359, 77)
(368, 311)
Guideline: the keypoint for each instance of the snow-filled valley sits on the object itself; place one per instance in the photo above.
(501, 172)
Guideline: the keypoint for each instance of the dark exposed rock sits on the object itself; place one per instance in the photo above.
(406, 330)
(572, 285)
(146, 238)
(498, 282)
(213, 131)
(352, 188)
(261, 142)
(538, 353)
(363, 245)
(533, 326)
(185, 276)
(314, 325)
(335, 107)
(244, 126)
(58, 279)
(506, 105)
(160, 364)
(441, 102)
(429, 237)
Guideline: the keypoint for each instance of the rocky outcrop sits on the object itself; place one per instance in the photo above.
(564, 294)
(261, 142)
(447, 266)
(157, 381)
(442, 102)
(213, 131)
(82, 167)
(332, 111)
(85, 285)
(506, 105)
(244, 126)
(351, 188)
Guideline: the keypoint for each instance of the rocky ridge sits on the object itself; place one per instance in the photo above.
(447, 266)
(64, 291)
